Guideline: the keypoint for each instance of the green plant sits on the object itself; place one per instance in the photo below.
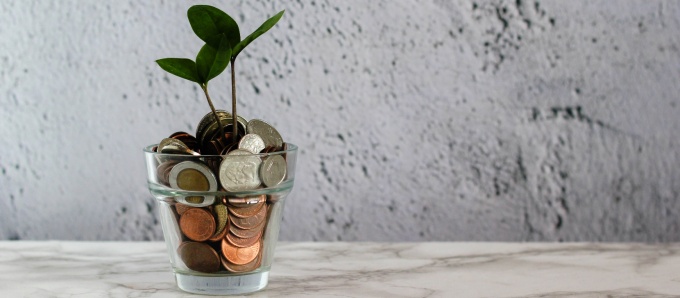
(223, 43)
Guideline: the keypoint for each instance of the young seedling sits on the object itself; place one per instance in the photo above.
(210, 62)
(209, 22)
(223, 43)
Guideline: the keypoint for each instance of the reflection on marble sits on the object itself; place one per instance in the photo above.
(435, 269)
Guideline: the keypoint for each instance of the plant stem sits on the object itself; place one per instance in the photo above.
(219, 123)
(234, 117)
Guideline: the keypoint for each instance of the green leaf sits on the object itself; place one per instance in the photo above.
(268, 24)
(181, 67)
(209, 23)
(211, 61)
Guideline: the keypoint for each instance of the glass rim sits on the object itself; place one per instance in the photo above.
(290, 148)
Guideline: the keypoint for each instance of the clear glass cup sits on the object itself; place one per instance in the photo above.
(187, 250)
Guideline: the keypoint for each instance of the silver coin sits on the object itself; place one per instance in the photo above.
(239, 152)
(240, 172)
(271, 137)
(174, 146)
(252, 143)
(273, 170)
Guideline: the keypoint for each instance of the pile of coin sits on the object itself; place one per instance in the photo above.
(233, 160)
(224, 236)
(222, 233)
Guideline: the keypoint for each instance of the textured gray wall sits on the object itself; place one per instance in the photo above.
(418, 120)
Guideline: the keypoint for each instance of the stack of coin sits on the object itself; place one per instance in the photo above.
(233, 227)
(242, 246)
(227, 233)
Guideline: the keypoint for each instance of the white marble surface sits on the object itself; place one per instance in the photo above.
(443, 269)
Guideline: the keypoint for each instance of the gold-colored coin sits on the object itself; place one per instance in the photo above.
(222, 215)
(193, 176)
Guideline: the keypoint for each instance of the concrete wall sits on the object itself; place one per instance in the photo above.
(417, 120)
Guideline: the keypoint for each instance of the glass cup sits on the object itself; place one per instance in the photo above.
(221, 241)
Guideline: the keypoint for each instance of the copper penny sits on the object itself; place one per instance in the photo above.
(163, 171)
(166, 173)
(254, 264)
(242, 233)
(186, 138)
(244, 202)
(244, 212)
(219, 235)
(239, 255)
(199, 257)
(181, 208)
(248, 223)
(197, 224)
(243, 242)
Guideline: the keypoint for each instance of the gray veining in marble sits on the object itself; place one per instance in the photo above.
(120, 269)
(499, 120)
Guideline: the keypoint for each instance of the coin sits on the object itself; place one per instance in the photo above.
(273, 170)
(242, 233)
(269, 134)
(163, 171)
(173, 146)
(211, 148)
(197, 224)
(252, 143)
(240, 152)
(243, 242)
(181, 208)
(208, 119)
(250, 222)
(254, 264)
(187, 139)
(244, 212)
(222, 215)
(244, 202)
(219, 236)
(239, 255)
(199, 257)
(195, 200)
(193, 176)
(240, 172)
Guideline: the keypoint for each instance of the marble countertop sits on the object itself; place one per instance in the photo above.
(432, 269)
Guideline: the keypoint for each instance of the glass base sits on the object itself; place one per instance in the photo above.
(222, 285)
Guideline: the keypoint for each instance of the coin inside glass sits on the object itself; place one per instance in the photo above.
(192, 179)
(193, 176)
(240, 172)
(273, 170)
